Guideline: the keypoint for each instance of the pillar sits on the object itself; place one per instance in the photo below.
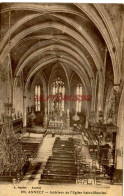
(24, 109)
(68, 118)
(93, 88)
(100, 99)
(119, 137)
(86, 122)
(45, 118)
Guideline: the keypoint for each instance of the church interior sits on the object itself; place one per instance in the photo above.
(61, 93)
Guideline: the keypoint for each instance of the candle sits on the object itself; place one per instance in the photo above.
(67, 112)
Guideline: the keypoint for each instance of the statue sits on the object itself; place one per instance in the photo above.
(32, 118)
(57, 113)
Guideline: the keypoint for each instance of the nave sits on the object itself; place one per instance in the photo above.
(62, 159)
(62, 94)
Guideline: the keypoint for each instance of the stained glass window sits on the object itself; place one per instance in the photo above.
(37, 97)
(59, 89)
(78, 102)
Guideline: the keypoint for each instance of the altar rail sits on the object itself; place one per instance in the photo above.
(63, 132)
(55, 125)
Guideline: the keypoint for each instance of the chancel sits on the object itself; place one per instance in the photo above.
(61, 93)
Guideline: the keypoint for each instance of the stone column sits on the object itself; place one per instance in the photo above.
(86, 122)
(45, 120)
(92, 117)
(100, 98)
(120, 124)
(24, 109)
(93, 87)
(68, 118)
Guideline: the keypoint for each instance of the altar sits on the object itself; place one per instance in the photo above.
(57, 117)
(55, 124)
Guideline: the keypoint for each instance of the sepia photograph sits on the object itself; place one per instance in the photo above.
(61, 99)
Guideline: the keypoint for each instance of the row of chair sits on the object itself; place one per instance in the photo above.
(60, 167)
(30, 146)
(87, 172)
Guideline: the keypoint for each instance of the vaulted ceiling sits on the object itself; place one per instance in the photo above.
(75, 35)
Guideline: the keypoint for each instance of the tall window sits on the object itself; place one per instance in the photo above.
(37, 96)
(78, 102)
(59, 89)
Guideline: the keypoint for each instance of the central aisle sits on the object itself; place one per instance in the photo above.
(45, 150)
(39, 161)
